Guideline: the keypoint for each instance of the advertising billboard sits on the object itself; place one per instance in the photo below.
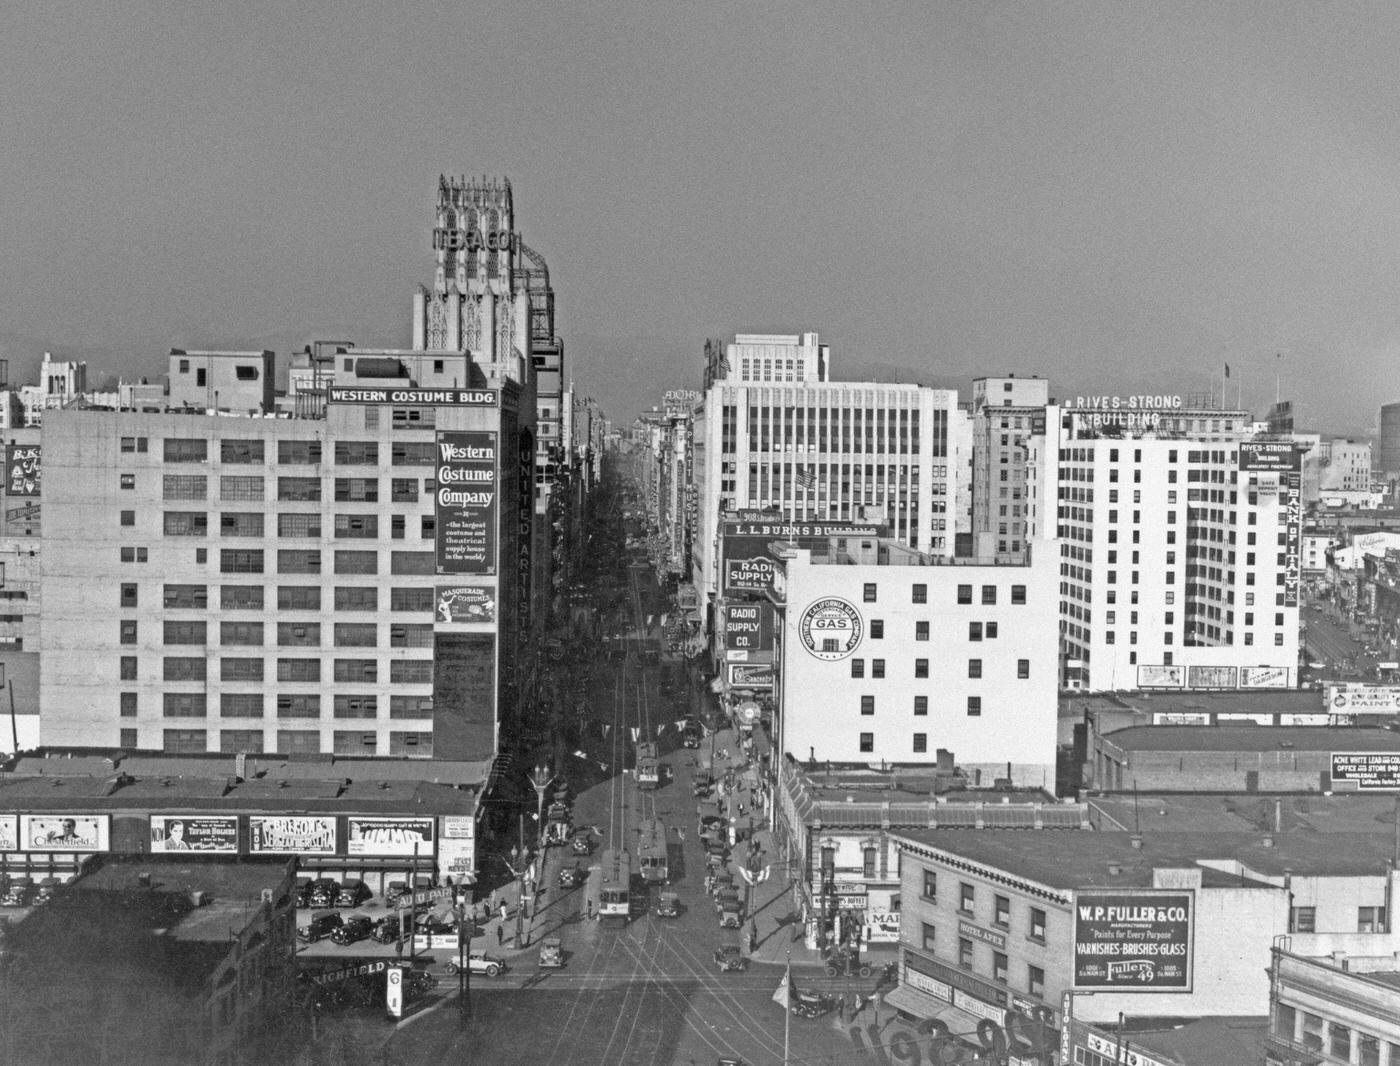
(1293, 537)
(748, 563)
(1133, 940)
(211, 834)
(389, 836)
(467, 502)
(458, 604)
(749, 626)
(1161, 676)
(64, 832)
(311, 834)
(1278, 456)
(1372, 771)
(22, 469)
(9, 832)
(414, 397)
(1373, 699)
(1212, 677)
(457, 848)
(1263, 677)
(750, 675)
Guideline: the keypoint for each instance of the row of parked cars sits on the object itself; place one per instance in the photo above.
(25, 891)
(328, 892)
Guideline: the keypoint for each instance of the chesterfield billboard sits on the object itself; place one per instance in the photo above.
(1133, 940)
(467, 502)
(748, 562)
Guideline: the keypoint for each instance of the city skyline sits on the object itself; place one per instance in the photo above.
(1121, 201)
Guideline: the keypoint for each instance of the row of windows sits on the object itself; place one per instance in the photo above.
(975, 631)
(347, 452)
(1001, 906)
(250, 524)
(300, 489)
(867, 707)
(302, 560)
(289, 634)
(288, 705)
(1000, 970)
(974, 668)
(345, 671)
(919, 593)
(289, 598)
(289, 742)
(1341, 1042)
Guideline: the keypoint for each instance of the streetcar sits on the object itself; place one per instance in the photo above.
(651, 851)
(615, 888)
(648, 768)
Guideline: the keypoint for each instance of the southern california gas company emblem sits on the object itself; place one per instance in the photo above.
(831, 628)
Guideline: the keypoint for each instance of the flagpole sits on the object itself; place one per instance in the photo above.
(787, 1008)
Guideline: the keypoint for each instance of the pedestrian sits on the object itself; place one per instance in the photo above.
(753, 937)
(680, 832)
(503, 910)
(501, 933)
(590, 908)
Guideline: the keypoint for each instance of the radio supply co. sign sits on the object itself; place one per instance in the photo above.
(1133, 940)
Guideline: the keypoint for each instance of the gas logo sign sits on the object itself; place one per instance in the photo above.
(831, 628)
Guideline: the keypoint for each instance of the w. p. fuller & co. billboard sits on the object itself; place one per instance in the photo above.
(467, 502)
(1133, 940)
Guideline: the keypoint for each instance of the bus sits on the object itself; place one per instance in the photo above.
(615, 888)
(648, 768)
(651, 852)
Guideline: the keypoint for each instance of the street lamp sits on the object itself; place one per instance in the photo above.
(540, 778)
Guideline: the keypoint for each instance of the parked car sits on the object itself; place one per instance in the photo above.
(393, 891)
(571, 877)
(668, 905)
(730, 959)
(388, 929)
(47, 887)
(352, 893)
(19, 892)
(551, 953)
(303, 891)
(582, 844)
(321, 925)
(323, 892)
(479, 962)
(353, 929)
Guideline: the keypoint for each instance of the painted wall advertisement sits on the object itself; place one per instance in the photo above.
(883, 927)
(750, 675)
(22, 469)
(1161, 676)
(1133, 940)
(9, 832)
(458, 604)
(308, 834)
(195, 832)
(466, 507)
(748, 562)
(1293, 537)
(1372, 771)
(1374, 699)
(1263, 677)
(749, 626)
(456, 848)
(64, 832)
(389, 836)
(1279, 456)
(1212, 677)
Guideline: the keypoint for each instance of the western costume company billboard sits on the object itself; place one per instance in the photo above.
(467, 502)
(1133, 940)
(195, 832)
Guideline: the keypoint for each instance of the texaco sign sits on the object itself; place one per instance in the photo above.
(831, 628)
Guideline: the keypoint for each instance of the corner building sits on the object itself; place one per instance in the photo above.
(215, 583)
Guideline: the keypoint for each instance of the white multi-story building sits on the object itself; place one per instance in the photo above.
(1006, 414)
(886, 655)
(776, 434)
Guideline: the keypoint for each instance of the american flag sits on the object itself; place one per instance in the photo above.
(806, 479)
(724, 363)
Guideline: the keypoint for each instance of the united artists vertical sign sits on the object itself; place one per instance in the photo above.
(467, 491)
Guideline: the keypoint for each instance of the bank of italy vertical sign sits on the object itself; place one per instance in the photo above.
(468, 491)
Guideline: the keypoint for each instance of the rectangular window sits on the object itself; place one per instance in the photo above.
(185, 632)
(357, 452)
(1018, 594)
(356, 489)
(127, 671)
(298, 742)
(190, 597)
(242, 488)
(128, 518)
(867, 705)
(299, 634)
(412, 744)
(135, 444)
(183, 450)
(974, 706)
(1037, 929)
(412, 563)
(241, 705)
(921, 631)
(857, 667)
(184, 705)
(920, 743)
(989, 595)
(920, 706)
(1035, 981)
(128, 596)
(1302, 920)
(411, 599)
(356, 670)
(410, 706)
(356, 598)
(298, 598)
(355, 634)
(990, 630)
(999, 967)
(298, 561)
(1023, 669)
(356, 562)
(186, 524)
(929, 936)
(299, 525)
(411, 672)
(241, 451)
(411, 635)
(240, 669)
(184, 741)
(304, 489)
(964, 593)
(240, 560)
(964, 953)
(244, 633)
(967, 898)
(298, 451)
(241, 524)
(1339, 1041)
(877, 629)
(974, 668)
(127, 481)
(920, 668)
(877, 668)
(298, 705)
(920, 593)
(361, 526)
(245, 741)
(931, 886)
(867, 742)
(869, 591)
(299, 670)
(974, 631)
(182, 668)
(354, 743)
(1370, 919)
(403, 490)
(411, 453)
(128, 704)
(1001, 911)
(366, 706)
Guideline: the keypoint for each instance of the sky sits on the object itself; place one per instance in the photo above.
(1120, 197)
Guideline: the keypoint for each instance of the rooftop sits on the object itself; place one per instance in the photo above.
(1253, 738)
(1259, 701)
(1344, 812)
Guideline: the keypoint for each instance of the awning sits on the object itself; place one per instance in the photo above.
(922, 1005)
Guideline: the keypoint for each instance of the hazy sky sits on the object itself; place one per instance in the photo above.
(1119, 196)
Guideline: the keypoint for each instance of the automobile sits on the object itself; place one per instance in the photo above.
(303, 891)
(323, 892)
(47, 887)
(811, 1004)
(388, 929)
(321, 925)
(730, 959)
(730, 915)
(551, 953)
(571, 877)
(479, 962)
(692, 732)
(352, 893)
(844, 962)
(393, 891)
(18, 893)
(668, 905)
(353, 929)
(582, 844)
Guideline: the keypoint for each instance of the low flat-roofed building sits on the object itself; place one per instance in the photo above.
(1228, 758)
(159, 960)
(1009, 921)
(1322, 1012)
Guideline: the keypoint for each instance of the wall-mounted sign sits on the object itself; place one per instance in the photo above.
(471, 240)
(1133, 940)
(1263, 677)
(745, 541)
(457, 848)
(466, 508)
(414, 397)
(9, 832)
(749, 626)
(747, 575)
(1354, 698)
(883, 926)
(195, 832)
(1372, 771)
(305, 834)
(986, 936)
(750, 675)
(1269, 455)
(830, 628)
(1212, 677)
(64, 832)
(389, 836)
(22, 470)
(1161, 676)
(1293, 537)
(457, 604)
